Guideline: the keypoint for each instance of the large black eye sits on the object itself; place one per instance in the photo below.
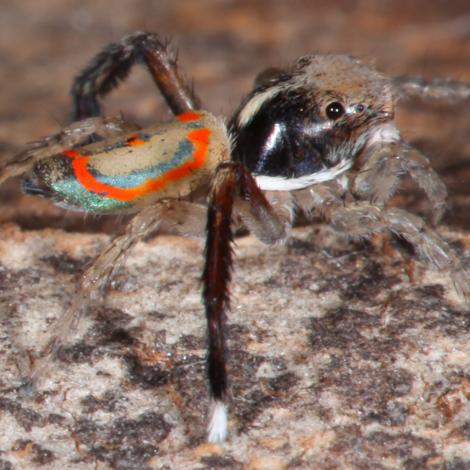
(334, 110)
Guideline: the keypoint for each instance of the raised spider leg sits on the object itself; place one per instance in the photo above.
(362, 219)
(386, 163)
(233, 189)
(174, 216)
(447, 91)
(70, 136)
(113, 64)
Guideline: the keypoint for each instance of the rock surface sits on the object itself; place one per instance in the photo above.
(337, 360)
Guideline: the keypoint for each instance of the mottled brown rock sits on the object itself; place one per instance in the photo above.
(336, 359)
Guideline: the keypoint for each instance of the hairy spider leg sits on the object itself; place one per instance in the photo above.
(437, 89)
(362, 218)
(71, 136)
(385, 165)
(179, 217)
(233, 188)
(113, 64)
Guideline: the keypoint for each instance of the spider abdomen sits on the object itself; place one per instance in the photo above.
(171, 160)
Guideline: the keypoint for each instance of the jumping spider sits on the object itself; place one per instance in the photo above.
(318, 137)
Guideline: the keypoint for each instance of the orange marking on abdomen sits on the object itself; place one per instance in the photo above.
(189, 116)
(199, 138)
(72, 153)
(135, 140)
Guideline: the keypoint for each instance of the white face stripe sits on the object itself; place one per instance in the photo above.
(280, 183)
(255, 103)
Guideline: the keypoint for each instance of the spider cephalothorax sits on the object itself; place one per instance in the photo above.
(307, 124)
(318, 137)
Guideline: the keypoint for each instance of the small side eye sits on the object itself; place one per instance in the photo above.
(359, 108)
(334, 110)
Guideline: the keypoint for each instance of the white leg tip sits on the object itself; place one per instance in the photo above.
(217, 429)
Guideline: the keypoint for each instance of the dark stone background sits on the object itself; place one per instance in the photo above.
(344, 355)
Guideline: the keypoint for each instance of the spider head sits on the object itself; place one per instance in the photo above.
(307, 124)
(349, 93)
